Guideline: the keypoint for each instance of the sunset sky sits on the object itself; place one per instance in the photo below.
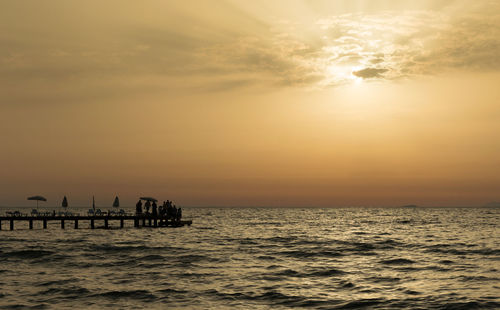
(250, 103)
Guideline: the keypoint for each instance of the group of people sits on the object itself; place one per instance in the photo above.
(168, 210)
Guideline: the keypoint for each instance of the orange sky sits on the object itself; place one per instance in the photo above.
(283, 103)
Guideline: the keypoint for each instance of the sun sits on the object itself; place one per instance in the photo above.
(343, 74)
(356, 79)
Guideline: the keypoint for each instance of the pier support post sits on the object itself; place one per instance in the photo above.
(121, 223)
(143, 222)
(11, 224)
(76, 224)
(0, 225)
(31, 224)
(62, 224)
(44, 223)
(136, 223)
(106, 223)
(92, 224)
(155, 223)
(149, 222)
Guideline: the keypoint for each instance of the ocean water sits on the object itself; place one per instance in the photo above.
(261, 258)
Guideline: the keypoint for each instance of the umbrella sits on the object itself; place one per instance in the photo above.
(116, 203)
(65, 202)
(37, 198)
(148, 199)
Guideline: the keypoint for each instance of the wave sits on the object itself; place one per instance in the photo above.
(74, 291)
(479, 278)
(471, 305)
(171, 291)
(311, 253)
(288, 273)
(266, 257)
(347, 285)
(142, 295)
(56, 282)
(485, 251)
(361, 303)
(279, 298)
(28, 254)
(397, 261)
(152, 257)
(120, 249)
(383, 279)
(318, 272)
(193, 258)
(327, 272)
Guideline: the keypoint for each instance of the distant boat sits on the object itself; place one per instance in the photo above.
(493, 204)
(410, 206)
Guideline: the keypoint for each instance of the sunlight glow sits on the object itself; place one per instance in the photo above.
(336, 74)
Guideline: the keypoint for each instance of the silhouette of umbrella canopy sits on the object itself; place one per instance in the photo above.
(37, 198)
(65, 202)
(116, 203)
(148, 199)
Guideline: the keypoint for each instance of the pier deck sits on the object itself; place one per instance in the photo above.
(138, 220)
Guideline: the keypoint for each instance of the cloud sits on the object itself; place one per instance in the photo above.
(327, 52)
(387, 45)
(369, 73)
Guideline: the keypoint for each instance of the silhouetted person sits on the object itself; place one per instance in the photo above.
(174, 213)
(138, 207)
(160, 210)
(179, 214)
(147, 205)
(155, 209)
(169, 210)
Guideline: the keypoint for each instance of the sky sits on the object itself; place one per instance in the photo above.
(250, 103)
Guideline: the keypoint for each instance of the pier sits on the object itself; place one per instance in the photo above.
(76, 220)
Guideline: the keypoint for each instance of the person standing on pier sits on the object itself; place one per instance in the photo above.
(179, 214)
(138, 207)
(147, 205)
(161, 212)
(169, 209)
(160, 209)
(174, 213)
(155, 209)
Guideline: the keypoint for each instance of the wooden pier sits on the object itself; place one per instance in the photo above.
(138, 220)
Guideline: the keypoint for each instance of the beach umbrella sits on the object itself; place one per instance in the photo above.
(116, 203)
(65, 202)
(37, 198)
(148, 199)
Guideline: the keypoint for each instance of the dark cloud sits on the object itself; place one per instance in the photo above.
(368, 73)
(376, 60)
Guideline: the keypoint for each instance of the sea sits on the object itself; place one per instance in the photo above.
(260, 258)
